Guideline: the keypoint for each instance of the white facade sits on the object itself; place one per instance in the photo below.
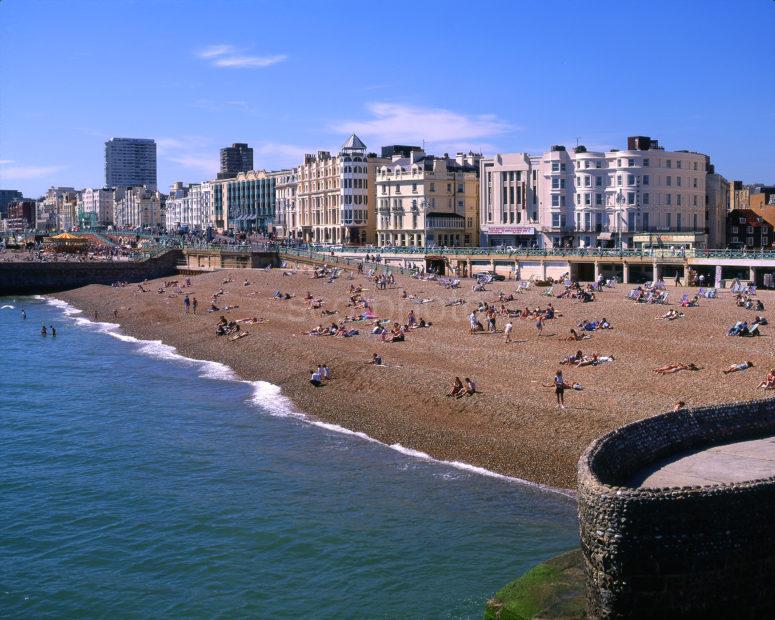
(286, 188)
(98, 201)
(57, 209)
(140, 207)
(585, 199)
(188, 206)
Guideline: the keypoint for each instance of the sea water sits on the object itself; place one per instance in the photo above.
(136, 483)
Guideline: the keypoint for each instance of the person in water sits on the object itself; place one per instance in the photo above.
(43, 331)
(53, 330)
(24, 315)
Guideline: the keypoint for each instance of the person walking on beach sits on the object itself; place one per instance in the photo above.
(559, 389)
(678, 279)
(540, 326)
(186, 303)
(195, 304)
(507, 331)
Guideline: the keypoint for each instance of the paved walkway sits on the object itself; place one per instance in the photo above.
(733, 462)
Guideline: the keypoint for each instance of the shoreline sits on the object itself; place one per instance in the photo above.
(512, 427)
(270, 398)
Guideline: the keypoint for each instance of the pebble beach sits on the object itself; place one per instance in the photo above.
(512, 426)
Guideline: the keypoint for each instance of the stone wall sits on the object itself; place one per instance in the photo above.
(703, 552)
(25, 278)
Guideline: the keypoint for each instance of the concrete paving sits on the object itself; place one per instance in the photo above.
(733, 462)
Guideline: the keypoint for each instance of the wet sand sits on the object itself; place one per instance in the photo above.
(513, 426)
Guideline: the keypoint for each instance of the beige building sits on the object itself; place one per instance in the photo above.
(427, 201)
(139, 207)
(286, 213)
(335, 196)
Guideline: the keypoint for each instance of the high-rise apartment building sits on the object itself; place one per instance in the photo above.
(130, 162)
(643, 195)
(235, 159)
(423, 200)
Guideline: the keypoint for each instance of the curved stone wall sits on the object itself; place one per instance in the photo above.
(702, 552)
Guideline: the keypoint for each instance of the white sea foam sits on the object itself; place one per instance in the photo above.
(7, 307)
(269, 397)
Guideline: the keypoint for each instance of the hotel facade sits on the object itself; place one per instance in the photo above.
(335, 196)
(244, 203)
(640, 196)
(427, 201)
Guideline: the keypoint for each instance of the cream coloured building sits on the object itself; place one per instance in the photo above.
(335, 196)
(427, 201)
(287, 215)
(641, 195)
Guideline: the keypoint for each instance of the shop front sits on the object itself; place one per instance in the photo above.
(509, 236)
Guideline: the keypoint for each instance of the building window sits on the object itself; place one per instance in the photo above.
(749, 241)
(598, 164)
(630, 179)
(765, 241)
(587, 181)
(555, 166)
(668, 199)
(765, 230)
(742, 220)
(555, 200)
(734, 229)
(735, 240)
(618, 163)
(645, 179)
(678, 164)
(555, 220)
(562, 169)
(587, 199)
(630, 162)
(678, 199)
(668, 164)
(433, 187)
(678, 181)
(678, 221)
(645, 221)
(749, 230)
(555, 183)
(669, 181)
(646, 162)
(599, 181)
(694, 200)
(599, 200)
(619, 179)
(630, 198)
(669, 220)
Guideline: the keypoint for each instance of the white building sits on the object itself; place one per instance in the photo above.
(98, 201)
(140, 207)
(643, 195)
(188, 206)
(286, 212)
(130, 162)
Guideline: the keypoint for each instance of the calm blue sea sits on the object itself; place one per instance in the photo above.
(135, 483)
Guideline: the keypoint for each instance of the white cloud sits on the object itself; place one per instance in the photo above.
(211, 51)
(4, 162)
(249, 61)
(400, 123)
(27, 172)
(229, 56)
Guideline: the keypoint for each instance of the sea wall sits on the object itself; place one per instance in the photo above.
(26, 278)
(677, 552)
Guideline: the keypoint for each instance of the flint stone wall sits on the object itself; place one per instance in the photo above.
(696, 552)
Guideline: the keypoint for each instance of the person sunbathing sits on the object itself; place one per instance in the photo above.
(595, 360)
(573, 359)
(672, 315)
(575, 336)
(327, 312)
(318, 331)
(669, 369)
(769, 381)
(457, 388)
(738, 367)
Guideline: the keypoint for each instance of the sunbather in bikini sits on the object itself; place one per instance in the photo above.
(670, 369)
(738, 367)
(769, 381)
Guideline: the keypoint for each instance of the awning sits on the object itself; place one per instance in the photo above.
(606, 236)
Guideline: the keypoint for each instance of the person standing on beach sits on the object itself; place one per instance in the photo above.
(678, 279)
(95, 316)
(507, 331)
(194, 304)
(186, 303)
(559, 389)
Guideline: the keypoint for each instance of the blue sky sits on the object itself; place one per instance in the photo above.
(290, 77)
